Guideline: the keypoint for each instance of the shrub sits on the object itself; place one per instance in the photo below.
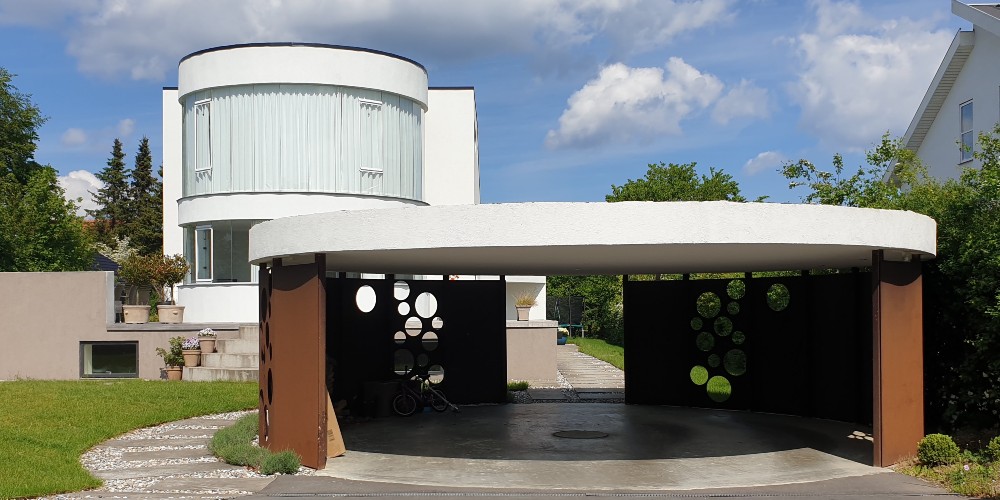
(285, 462)
(992, 451)
(517, 385)
(937, 449)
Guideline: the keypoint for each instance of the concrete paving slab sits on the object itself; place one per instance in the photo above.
(546, 394)
(204, 485)
(167, 454)
(165, 470)
(176, 441)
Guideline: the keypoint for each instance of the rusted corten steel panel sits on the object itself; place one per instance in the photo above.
(293, 395)
(897, 315)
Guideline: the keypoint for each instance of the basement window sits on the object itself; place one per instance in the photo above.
(109, 359)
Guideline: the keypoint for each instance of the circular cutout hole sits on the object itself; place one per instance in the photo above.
(429, 341)
(735, 362)
(705, 341)
(736, 289)
(426, 305)
(699, 375)
(402, 359)
(403, 308)
(738, 337)
(435, 374)
(422, 359)
(708, 305)
(719, 389)
(365, 299)
(437, 323)
(399, 338)
(733, 308)
(400, 290)
(413, 325)
(723, 326)
(778, 297)
(697, 323)
(713, 360)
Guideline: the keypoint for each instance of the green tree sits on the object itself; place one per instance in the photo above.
(113, 199)
(19, 122)
(674, 182)
(145, 226)
(961, 285)
(39, 229)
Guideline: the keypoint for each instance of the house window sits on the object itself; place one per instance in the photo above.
(967, 137)
(109, 359)
(203, 253)
(203, 135)
(371, 135)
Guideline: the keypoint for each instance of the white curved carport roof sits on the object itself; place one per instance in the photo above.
(595, 238)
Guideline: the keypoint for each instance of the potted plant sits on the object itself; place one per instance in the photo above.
(137, 272)
(169, 270)
(207, 337)
(191, 350)
(523, 303)
(173, 358)
(562, 335)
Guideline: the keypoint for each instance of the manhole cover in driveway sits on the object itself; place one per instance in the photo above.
(580, 434)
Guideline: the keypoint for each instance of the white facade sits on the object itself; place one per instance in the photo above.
(969, 79)
(263, 131)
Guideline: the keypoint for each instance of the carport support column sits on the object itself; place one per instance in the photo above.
(898, 376)
(293, 395)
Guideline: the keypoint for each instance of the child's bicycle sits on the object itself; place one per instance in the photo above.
(409, 399)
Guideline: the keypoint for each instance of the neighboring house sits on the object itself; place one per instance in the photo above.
(261, 131)
(964, 97)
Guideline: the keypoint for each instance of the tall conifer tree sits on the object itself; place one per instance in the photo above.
(145, 226)
(113, 199)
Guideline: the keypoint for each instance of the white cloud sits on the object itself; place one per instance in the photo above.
(745, 100)
(861, 76)
(144, 39)
(764, 161)
(73, 137)
(79, 184)
(625, 104)
(126, 127)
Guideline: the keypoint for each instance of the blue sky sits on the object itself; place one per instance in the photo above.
(572, 95)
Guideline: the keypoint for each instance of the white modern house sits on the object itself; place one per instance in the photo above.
(964, 97)
(257, 132)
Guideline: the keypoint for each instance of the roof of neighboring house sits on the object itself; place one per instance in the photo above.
(985, 16)
(103, 263)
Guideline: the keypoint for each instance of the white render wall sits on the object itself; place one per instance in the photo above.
(173, 235)
(220, 302)
(979, 80)
(451, 172)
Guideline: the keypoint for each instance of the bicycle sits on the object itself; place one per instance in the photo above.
(409, 399)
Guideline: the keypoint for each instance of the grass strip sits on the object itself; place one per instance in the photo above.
(601, 350)
(234, 446)
(46, 425)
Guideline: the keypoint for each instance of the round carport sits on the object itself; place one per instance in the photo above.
(296, 254)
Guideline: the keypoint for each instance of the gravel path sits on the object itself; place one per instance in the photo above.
(582, 379)
(171, 460)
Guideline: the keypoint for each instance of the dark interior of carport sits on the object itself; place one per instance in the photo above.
(844, 346)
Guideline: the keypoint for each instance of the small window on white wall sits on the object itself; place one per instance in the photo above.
(967, 135)
(203, 253)
(371, 135)
(203, 136)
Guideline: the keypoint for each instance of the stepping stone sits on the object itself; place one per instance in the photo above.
(125, 443)
(546, 394)
(164, 470)
(199, 484)
(167, 454)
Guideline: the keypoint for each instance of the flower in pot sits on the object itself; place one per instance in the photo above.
(173, 358)
(523, 303)
(137, 272)
(169, 270)
(191, 350)
(207, 337)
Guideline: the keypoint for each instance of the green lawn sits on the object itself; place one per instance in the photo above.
(46, 425)
(601, 350)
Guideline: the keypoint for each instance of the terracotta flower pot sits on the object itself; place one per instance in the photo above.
(192, 357)
(207, 344)
(174, 372)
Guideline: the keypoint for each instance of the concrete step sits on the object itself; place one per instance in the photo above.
(250, 332)
(226, 360)
(237, 346)
(208, 374)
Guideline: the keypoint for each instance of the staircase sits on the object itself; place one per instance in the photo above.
(234, 359)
